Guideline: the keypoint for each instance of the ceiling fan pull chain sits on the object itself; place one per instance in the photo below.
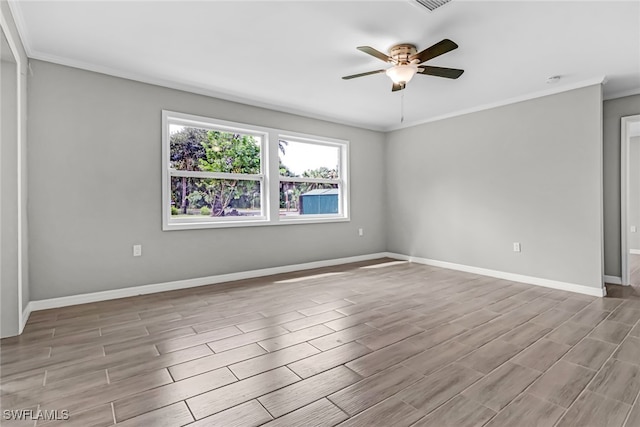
(402, 108)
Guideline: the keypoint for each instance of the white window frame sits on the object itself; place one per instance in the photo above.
(342, 181)
(169, 223)
(269, 165)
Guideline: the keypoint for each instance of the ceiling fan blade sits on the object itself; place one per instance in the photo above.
(398, 86)
(450, 73)
(373, 52)
(368, 73)
(437, 49)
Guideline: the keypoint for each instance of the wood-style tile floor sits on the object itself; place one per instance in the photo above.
(634, 269)
(371, 344)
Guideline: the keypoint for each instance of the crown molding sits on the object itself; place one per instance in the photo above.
(193, 88)
(622, 94)
(23, 33)
(502, 103)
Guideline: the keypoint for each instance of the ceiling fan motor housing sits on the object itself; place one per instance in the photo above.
(401, 53)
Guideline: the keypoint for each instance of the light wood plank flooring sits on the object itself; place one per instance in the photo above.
(379, 343)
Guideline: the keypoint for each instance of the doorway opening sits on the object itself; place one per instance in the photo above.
(630, 200)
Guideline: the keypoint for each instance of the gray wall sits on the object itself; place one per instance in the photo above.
(464, 189)
(634, 193)
(95, 189)
(11, 266)
(613, 111)
(94, 185)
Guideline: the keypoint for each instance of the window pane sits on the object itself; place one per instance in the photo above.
(203, 198)
(308, 160)
(309, 198)
(196, 149)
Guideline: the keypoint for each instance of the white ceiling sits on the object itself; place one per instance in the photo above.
(290, 55)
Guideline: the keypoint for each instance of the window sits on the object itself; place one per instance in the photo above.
(216, 174)
(310, 178)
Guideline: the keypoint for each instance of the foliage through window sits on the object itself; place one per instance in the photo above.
(216, 174)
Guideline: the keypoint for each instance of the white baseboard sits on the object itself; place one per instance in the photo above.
(221, 278)
(634, 251)
(571, 287)
(614, 280)
(25, 316)
(190, 283)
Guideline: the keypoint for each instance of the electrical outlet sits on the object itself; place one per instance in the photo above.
(360, 231)
(137, 250)
(633, 229)
(516, 247)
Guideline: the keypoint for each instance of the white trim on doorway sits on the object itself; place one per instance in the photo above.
(4, 24)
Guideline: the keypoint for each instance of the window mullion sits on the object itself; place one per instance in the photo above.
(273, 166)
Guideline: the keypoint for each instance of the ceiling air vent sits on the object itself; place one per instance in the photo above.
(432, 4)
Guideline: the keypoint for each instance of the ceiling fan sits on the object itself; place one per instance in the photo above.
(407, 62)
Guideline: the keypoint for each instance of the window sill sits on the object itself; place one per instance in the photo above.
(251, 223)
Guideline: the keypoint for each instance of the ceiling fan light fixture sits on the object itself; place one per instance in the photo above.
(407, 62)
(402, 73)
